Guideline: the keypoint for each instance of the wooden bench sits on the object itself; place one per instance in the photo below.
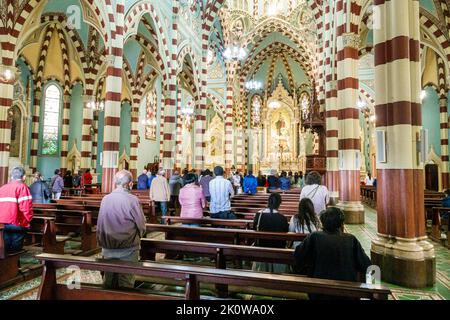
(438, 223)
(220, 235)
(243, 224)
(191, 277)
(72, 221)
(42, 233)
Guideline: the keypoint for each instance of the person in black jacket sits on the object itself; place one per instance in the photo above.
(331, 253)
(271, 220)
(68, 179)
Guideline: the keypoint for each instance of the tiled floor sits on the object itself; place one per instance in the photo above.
(365, 233)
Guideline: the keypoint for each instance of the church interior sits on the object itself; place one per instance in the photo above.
(345, 88)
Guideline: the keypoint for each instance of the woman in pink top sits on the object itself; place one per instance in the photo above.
(191, 198)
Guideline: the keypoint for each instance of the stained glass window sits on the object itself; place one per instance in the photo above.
(51, 120)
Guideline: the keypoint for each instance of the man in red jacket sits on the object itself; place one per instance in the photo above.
(16, 210)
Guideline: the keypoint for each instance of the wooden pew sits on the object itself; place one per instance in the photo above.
(9, 262)
(219, 235)
(190, 277)
(237, 223)
(42, 233)
(72, 221)
(437, 223)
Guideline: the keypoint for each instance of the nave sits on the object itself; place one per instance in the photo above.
(233, 127)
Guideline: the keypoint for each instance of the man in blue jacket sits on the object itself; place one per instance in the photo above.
(250, 183)
(142, 182)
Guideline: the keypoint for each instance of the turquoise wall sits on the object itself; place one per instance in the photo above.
(125, 128)
(76, 116)
(431, 119)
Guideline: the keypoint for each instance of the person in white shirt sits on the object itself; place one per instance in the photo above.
(315, 191)
(221, 191)
(369, 180)
(305, 221)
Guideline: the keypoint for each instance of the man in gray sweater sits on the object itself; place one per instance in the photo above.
(120, 226)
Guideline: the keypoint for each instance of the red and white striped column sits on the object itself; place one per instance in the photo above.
(113, 102)
(6, 99)
(332, 145)
(443, 102)
(86, 137)
(401, 244)
(35, 128)
(170, 108)
(134, 137)
(349, 140)
(179, 136)
(95, 142)
(65, 131)
(229, 136)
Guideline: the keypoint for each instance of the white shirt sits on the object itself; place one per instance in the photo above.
(369, 181)
(294, 227)
(220, 190)
(319, 196)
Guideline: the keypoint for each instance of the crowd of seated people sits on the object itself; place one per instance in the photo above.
(326, 252)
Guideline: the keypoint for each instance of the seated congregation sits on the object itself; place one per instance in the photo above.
(290, 234)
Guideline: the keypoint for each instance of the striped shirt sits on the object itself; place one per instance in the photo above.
(220, 190)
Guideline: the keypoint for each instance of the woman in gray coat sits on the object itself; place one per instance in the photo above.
(39, 189)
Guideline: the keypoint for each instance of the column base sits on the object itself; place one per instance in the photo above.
(409, 263)
(353, 211)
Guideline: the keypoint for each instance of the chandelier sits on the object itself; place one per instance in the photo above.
(235, 53)
(96, 105)
(253, 85)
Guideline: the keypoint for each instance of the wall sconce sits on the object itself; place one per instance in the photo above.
(8, 74)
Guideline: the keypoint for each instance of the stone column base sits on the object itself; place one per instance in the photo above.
(353, 211)
(409, 263)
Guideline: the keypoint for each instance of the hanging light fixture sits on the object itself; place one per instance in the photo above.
(96, 105)
(274, 104)
(235, 53)
(253, 85)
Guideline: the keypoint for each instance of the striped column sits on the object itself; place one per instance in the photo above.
(170, 108)
(400, 245)
(113, 103)
(240, 148)
(134, 137)
(179, 136)
(229, 136)
(443, 102)
(332, 146)
(65, 131)
(95, 142)
(6, 99)
(86, 137)
(349, 141)
(35, 128)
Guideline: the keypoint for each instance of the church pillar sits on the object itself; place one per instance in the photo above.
(331, 122)
(95, 142)
(86, 137)
(229, 158)
(6, 100)
(443, 102)
(349, 128)
(35, 128)
(134, 137)
(113, 104)
(401, 248)
(179, 137)
(65, 131)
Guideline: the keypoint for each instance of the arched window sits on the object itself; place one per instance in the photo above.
(51, 120)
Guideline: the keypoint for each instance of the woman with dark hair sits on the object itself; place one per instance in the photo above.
(191, 198)
(305, 221)
(315, 191)
(272, 221)
(331, 253)
(68, 179)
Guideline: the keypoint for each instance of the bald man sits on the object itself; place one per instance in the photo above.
(120, 226)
